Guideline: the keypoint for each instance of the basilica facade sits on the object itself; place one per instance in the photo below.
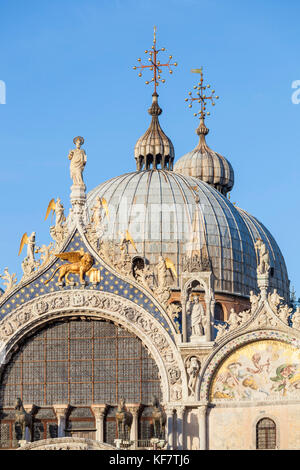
(159, 315)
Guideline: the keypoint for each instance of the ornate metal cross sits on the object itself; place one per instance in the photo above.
(201, 97)
(155, 65)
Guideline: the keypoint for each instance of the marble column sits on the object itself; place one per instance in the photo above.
(180, 413)
(61, 411)
(170, 427)
(134, 432)
(202, 410)
(99, 413)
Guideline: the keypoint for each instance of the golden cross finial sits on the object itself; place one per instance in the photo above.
(201, 96)
(155, 66)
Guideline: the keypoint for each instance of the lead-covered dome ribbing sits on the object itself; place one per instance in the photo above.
(168, 213)
(206, 164)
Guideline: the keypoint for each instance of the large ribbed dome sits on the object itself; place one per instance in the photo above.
(168, 214)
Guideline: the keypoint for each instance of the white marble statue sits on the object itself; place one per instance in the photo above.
(221, 328)
(78, 160)
(275, 299)
(254, 299)
(263, 266)
(196, 311)
(234, 319)
(162, 272)
(96, 213)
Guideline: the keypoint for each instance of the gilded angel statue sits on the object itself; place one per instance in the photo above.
(56, 208)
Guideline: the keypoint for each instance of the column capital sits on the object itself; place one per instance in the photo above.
(180, 411)
(61, 409)
(202, 408)
(169, 409)
(99, 410)
(134, 408)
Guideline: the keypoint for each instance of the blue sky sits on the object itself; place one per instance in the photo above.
(67, 65)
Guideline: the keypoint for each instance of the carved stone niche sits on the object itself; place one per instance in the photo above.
(197, 321)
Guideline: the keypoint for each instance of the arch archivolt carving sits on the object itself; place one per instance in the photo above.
(71, 303)
(220, 354)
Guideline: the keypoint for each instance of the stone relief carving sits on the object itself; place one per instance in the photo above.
(174, 311)
(145, 277)
(46, 253)
(10, 280)
(196, 263)
(60, 301)
(221, 330)
(65, 443)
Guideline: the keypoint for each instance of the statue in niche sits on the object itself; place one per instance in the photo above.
(263, 266)
(78, 160)
(192, 369)
(197, 315)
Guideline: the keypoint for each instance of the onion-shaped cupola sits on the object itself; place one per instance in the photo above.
(154, 149)
(203, 162)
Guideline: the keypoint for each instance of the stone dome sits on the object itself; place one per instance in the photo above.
(172, 215)
(207, 165)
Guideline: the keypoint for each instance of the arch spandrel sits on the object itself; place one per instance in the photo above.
(111, 282)
(257, 366)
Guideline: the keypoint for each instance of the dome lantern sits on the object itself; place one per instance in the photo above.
(154, 148)
(202, 162)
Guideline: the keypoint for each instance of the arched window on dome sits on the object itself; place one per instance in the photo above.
(265, 434)
(219, 312)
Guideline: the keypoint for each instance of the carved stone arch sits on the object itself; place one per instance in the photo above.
(215, 359)
(65, 304)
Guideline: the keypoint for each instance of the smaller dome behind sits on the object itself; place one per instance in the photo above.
(205, 164)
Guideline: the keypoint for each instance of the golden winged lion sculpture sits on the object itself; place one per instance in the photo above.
(79, 263)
